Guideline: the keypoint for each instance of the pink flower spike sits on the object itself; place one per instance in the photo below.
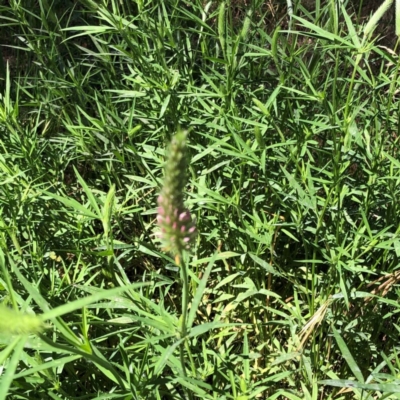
(185, 216)
(160, 210)
(192, 229)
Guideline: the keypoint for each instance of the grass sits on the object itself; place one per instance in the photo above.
(294, 182)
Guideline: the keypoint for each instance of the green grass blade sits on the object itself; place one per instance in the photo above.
(92, 199)
(7, 379)
(72, 203)
(83, 302)
(200, 292)
(348, 357)
(107, 210)
(375, 387)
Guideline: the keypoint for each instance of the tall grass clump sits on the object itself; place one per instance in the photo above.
(255, 257)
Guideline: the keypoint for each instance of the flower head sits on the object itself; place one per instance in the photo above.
(13, 322)
(177, 230)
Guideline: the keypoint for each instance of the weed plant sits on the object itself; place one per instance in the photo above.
(292, 120)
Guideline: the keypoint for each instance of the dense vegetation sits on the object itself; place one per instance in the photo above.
(293, 139)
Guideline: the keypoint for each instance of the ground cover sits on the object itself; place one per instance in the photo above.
(293, 175)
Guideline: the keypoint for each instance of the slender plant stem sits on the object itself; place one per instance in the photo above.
(185, 304)
(185, 293)
(185, 300)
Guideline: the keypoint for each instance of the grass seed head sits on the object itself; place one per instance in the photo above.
(13, 322)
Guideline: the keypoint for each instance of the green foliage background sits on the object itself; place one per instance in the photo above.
(293, 139)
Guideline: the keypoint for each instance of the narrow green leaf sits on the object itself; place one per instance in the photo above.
(220, 256)
(78, 304)
(322, 33)
(274, 46)
(200, 292)
(348, 357)
(48, 365)
(72, 203)
(351, 28)
(377, 387)
(92, 200)
(107, 210)
(227, 280)
(7, 379)
(92, 357)
(264, 264)
(165, 356)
